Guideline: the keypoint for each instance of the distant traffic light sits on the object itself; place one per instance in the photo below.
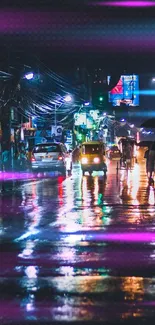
(101, 98)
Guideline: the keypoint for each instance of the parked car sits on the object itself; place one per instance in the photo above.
(114, 153)
(51, 157)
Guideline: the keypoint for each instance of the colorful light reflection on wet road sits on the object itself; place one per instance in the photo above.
(78, 249)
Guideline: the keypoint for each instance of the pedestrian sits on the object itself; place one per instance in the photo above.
(128, 155)
(69, 162)
(5, 159)
(151, 164)
(146, 156)
(76, 154)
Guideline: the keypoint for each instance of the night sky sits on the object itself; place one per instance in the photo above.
(68, 33)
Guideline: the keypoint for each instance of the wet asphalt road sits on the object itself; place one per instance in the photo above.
(80, 249)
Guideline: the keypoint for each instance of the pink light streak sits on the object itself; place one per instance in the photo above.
(134, 4)
(10, 176)
(5, 176)
(141, 237)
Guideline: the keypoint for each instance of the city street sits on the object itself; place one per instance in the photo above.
(77, 162)
(77, 249)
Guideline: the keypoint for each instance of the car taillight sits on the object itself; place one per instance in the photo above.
(60, 158)
(33, 158)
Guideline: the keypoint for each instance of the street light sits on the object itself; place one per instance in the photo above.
(153, 79)
(29, 76)
(68, 98)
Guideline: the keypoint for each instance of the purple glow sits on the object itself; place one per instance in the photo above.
(10, 176)
(126, 3)
(132, 36)
(141, 237)
(15, 176)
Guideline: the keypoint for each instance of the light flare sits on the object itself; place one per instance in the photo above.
(73, 239)
(84, 160)
(31, 272)
(133, 287)
(96, 189)
(152, 197)
(27, 234)
(128, 4)
(67, 271)
(30, 307)
(96, 160)
(131, 237)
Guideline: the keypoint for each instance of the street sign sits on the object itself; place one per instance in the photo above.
(69, 137)
(56, 130)
(59, 130)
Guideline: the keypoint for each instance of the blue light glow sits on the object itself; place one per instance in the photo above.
(149, 92)
(29, 76)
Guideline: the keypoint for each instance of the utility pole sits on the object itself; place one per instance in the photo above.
(55, 116)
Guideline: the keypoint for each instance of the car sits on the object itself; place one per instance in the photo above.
(114, 153)
(92, 157)
(51, 157)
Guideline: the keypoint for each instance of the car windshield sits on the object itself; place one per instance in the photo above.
(47, 148)
(92, 149)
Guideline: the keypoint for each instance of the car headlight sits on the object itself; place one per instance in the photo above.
(96, 160)
(84, 160)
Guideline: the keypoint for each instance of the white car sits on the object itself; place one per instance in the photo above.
(51, 157)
